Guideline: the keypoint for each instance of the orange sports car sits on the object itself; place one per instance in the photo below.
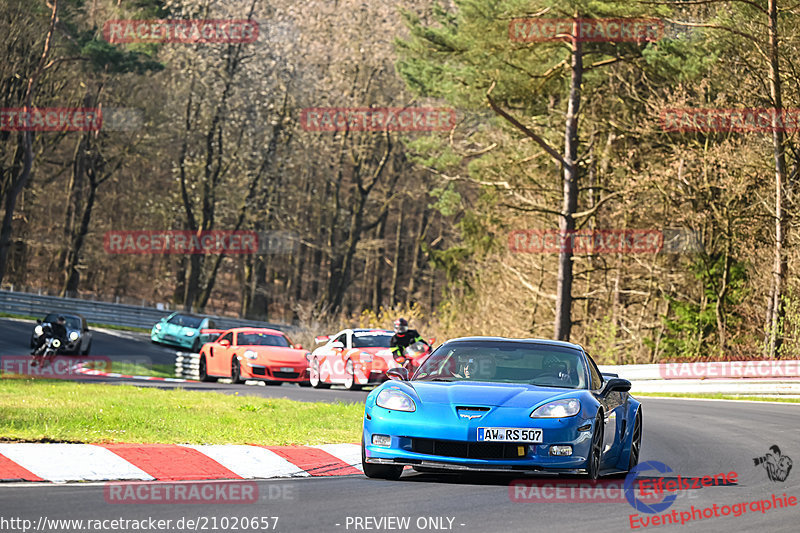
(254, 353)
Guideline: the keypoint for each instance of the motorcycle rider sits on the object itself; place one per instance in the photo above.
(403, 338)
(54, 330)
(57, 330)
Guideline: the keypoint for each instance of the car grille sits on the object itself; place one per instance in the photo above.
(468, 450)
(286, 375)
(258, 371)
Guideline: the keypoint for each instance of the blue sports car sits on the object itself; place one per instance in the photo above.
(502, 405)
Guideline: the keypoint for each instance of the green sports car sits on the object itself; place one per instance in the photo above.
(184, 330)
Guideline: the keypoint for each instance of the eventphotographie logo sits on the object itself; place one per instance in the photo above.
(777, 466)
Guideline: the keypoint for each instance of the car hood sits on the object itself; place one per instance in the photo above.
(383, 353)
(279, 354)
(486, 394)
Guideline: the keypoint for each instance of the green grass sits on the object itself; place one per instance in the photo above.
(719, 397)
(35, 410)
(131, 369)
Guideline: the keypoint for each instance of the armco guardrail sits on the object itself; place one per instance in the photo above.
(24, 303)
(754, 378)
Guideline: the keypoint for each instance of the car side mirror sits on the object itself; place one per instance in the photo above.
(337, 345)
(617, 385)
(298, 346)
(321, 338)
(431, 341)
(397, 374)
(225, 342)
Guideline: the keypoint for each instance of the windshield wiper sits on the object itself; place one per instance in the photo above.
(440, 379)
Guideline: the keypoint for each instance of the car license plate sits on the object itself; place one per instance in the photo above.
(287, 369)
(532, 435)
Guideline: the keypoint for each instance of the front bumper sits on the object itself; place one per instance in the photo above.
(175, 340)
(263, 372)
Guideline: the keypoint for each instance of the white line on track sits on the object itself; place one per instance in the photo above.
(712, 400)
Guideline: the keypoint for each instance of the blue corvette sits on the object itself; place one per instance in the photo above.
(502, 405)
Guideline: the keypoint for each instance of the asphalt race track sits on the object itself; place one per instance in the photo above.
(694, 438)
(128, 346)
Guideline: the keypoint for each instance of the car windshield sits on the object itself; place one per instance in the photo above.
(261, 339)
(371, 339)
(187, 321)
(505, 362)
(72, 322)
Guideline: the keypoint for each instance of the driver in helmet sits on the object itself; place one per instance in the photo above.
(402, 338)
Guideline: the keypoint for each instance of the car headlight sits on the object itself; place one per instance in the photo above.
(56, 343)
(308, 356)
(74, 336)
(189, 333)
(558, 409)
(250, 354)
(158, 327)
(38, 330)
(395, 400)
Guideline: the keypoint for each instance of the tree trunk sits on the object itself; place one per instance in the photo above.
(377, 280)
(776, 309)
(563, 322)
(398, 241)
(416, 252)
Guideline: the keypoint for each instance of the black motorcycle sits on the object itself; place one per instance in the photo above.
(49, 348)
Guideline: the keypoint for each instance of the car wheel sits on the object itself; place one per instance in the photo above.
(203, 370)
(304, 383)
(596, 449)
(314, 376)
(378, 471)
(88, 348)
(33, 342)
(236, 371)
(350, 376)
